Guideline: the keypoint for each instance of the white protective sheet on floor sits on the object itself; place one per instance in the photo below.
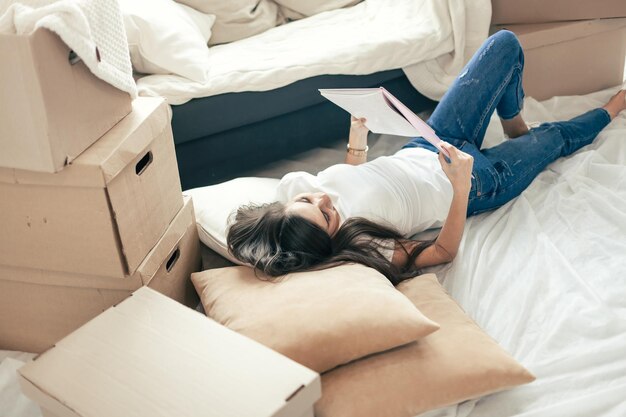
(12, 402)
(545, 275)
(429, 38)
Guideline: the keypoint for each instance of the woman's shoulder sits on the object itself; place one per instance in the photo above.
(294, 183)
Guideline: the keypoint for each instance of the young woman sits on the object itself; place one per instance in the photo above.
(365, 212)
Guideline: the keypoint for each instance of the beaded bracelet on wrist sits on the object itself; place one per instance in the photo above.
(357, 152)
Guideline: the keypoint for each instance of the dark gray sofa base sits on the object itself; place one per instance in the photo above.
(219, 137)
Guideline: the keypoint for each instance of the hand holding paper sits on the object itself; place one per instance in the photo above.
(384, 113)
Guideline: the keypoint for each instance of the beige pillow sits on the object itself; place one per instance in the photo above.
(320, 319)
(456, 363)
(237, 19)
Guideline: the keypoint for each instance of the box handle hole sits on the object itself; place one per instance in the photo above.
(73, 58)
(172, 260)
(143, 163)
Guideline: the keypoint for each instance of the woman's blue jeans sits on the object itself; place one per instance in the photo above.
(492, 80)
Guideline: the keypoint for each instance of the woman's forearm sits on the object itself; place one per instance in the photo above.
(449, 239)
(357, 146)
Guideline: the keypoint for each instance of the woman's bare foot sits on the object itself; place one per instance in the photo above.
(514, 127)
(616, 104)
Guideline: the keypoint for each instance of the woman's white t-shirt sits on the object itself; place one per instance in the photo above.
(407, 190)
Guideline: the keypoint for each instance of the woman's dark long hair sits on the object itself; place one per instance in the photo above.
(277, 242)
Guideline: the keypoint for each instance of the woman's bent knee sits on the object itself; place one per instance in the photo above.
(508, 47)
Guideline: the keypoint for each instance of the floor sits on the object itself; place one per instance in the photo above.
(318, 159)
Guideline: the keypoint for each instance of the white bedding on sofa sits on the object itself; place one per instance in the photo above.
(430, 39)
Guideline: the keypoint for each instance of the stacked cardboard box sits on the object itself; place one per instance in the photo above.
(79, 237)
(571, 47)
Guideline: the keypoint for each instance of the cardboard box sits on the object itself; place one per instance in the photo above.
(151, 356)
(541, 11)
(38, 308)
(168, 267)
(103, 213)
(53, 107)
(571, 58)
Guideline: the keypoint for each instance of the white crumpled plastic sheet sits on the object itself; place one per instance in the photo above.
(545, 275)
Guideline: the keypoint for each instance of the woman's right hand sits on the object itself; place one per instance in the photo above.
(459, 169)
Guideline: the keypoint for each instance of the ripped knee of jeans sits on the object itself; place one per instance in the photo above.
(502, 173)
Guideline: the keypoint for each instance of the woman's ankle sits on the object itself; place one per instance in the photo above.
(515, 126)
(616, 104)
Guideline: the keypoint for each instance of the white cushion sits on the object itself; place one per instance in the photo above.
(165, 37)
(297, 9)
(214, 205)
(237, 19)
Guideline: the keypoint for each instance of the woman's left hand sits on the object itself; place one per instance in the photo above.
(358, 125)
(459, 169)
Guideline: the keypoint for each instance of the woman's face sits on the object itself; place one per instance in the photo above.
(317, 208)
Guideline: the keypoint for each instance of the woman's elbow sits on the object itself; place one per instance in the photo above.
(446, 256)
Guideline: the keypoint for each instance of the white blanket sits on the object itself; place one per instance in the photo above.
(545, 276)
(372, 36)
(93, 29)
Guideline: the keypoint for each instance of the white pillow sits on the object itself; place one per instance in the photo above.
(165, 37)
(237, 19)
(297, 9)
(215, 203)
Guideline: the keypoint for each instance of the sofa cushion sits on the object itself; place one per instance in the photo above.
(298, 9)
(237, 19)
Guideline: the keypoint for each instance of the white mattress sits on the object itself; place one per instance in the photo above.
(429, 38)
(544, 276)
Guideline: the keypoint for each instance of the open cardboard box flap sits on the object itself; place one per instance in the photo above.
(149, 355)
